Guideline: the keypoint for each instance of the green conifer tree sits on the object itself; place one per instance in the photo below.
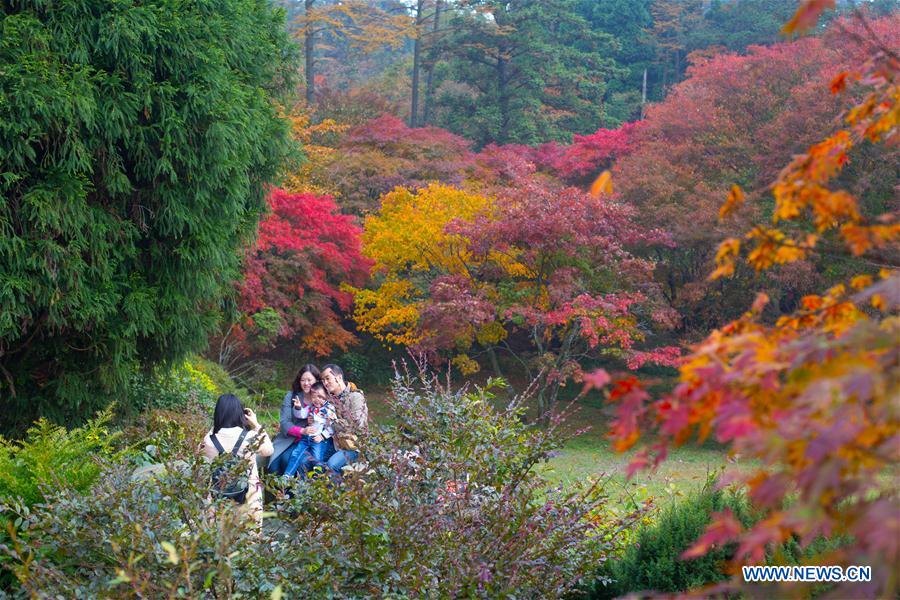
(137, 139)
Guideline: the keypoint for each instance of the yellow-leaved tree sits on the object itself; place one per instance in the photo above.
(407, 240)
(536, 273)
(318, 141)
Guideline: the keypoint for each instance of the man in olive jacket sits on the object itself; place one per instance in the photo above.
(352, 412)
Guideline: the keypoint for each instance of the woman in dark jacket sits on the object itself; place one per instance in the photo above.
(291, 427)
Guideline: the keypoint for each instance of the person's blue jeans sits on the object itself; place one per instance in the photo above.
(318, 449)
(341, 458)
(299, 455)
(305, 454)
(280, 463)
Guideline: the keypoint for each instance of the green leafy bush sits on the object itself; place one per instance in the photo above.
(217, 375)
(262, 382)
(154, 538)
(51, 457)
(652, 562)
(445, 504)
(193, 382)
(162, 436)
(175, 410)
(52, 460)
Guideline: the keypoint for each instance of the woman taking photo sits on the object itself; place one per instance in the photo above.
(236, 430)
(291, 426)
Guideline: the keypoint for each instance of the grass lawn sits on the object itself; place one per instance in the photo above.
(685, 470)
(591, 455)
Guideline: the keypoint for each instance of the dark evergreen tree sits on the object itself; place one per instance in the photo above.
(523, 71)
(628, 21)
(736, 24)
(137, 139)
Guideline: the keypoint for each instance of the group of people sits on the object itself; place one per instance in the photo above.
(322, 420)
(322, 417)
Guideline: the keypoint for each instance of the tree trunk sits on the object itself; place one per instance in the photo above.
(503, 134)
(542, 406)
(495, 365)
(417, 53)
(644, 94)
(309, 47)
(429, 78)
(548, 397)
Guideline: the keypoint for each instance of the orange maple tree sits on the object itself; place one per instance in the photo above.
(814, 396)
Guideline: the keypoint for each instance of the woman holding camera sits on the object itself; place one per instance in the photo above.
(237, 428)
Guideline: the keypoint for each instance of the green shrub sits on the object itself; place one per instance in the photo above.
(446, 504)
(268, 395)
(153, 538)
(652, 562)
(51, 460)
(218, 376)
(50, 456)
(161, 436)
(193, 382)
(355, 365)
(169, 412)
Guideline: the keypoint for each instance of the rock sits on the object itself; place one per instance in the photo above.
(153, 471)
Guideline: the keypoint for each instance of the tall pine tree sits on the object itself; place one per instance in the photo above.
(523, 71)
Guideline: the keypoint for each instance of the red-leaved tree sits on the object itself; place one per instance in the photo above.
(737, 119)
(581, 161)
(374, 158)
(291, 290)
